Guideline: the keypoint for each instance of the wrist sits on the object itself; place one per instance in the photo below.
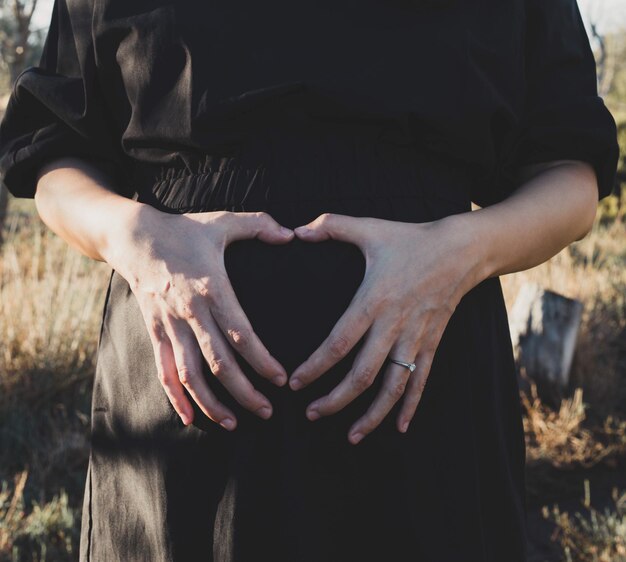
(468, 240)
(128, 220)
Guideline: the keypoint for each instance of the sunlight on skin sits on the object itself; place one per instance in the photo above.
(175, 286)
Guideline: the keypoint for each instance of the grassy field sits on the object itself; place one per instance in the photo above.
(51, 302)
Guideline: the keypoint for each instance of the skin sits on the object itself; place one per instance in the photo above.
(401, 307)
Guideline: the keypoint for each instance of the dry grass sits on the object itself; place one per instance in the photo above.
(51, 301)
(53, 295)
(561, 439)
(592, 536)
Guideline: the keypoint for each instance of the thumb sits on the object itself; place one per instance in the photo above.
(333, 226)
(259, 225)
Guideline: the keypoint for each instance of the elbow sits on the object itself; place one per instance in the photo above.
(589, 186)
(589, 220)
(39, 196)
(50, 176)
(44, 193)
(582, 183)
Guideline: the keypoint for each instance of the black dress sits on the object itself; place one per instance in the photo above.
(395, 109)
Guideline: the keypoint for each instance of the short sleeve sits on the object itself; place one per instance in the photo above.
(56, 109)
(564, 118)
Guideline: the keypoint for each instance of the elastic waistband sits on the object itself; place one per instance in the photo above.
(299, 159)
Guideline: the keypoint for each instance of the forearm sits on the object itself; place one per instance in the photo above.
(76, 201)
(548, 211)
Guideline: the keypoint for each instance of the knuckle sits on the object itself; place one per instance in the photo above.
(386, 300)
(394, 331)
(429, 349)
(449, 307)
(157, 330)
(367, 310)
(362, 378)
(372, 309)
(396, 390)
(221, 221)
(204, 289)
(222, 216)
(338, 346)
(264, 219)
(188, 310)
(421, 385)
(218, 366)
(240, 337)
(163, 379)
(403, 316)
(325, 218)
(186, 375)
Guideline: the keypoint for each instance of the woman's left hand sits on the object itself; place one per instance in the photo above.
(416, 274)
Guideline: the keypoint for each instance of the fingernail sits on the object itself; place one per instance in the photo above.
(303, 230)
(356, 437)
(228, 423)
(313, 414)
(286, 231)
(279, 380)
(404, 426)
(295, 384)
(264, 411)
(186, 419)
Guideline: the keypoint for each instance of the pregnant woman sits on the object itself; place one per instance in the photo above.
(304, 353)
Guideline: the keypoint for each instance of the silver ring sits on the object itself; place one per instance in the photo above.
(409, 366)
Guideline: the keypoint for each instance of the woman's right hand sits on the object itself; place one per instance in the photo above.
(174, 264)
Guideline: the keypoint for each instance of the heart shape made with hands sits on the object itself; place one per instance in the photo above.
(294, 293)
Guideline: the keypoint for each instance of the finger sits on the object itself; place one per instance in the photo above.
(189, 368)
(337, 227)
(223, 365)
(414, 390)
(394, 385)
(367, 365)
(261, 225)
(234, 324)
(348, 330)
(166, 370)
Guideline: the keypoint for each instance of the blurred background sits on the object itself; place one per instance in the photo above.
(567, 318)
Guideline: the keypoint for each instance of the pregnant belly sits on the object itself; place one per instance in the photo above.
(293, 294)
